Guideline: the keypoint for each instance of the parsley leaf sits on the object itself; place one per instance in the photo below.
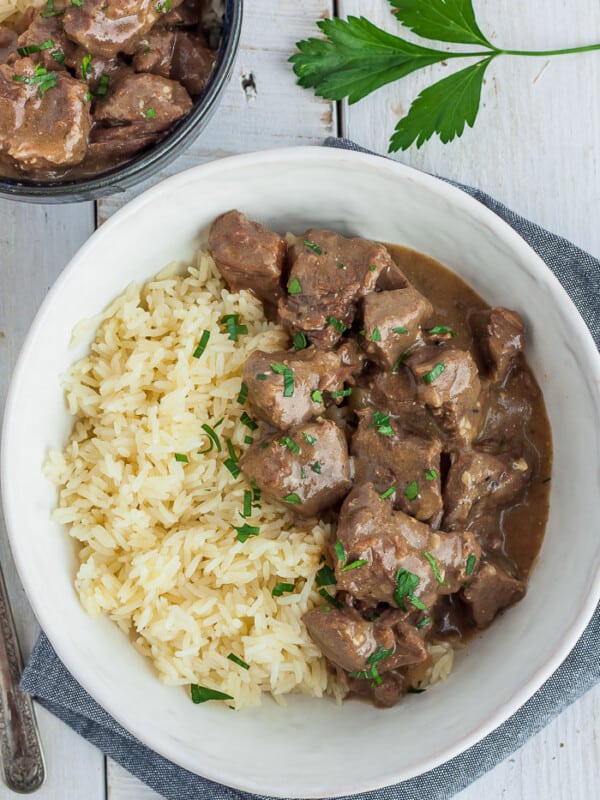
(441, 20)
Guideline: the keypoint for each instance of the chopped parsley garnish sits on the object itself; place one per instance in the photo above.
(376, 336)
(247, 503)
(245, 531)
(285, 441)
(182, 457)
(316, 396)
(399, 361)
(434, 567)
(325, 576)
(313, 246)
(423, 622)
(261, 376)
(372, 268)
(41, 78)
(214, 440)
(316, 467)
(85, 66)
(292, 498)
(360, 562)
(434, 373)
(294, 286)
(382, 423)
(388, 493)
(163, 6)
(412, 491)
(337, 324)
(35, 48)
(280, 588)
(232, 462)
(103, 84)
(288, 378)
(238, 661)
(256, 494)
(204, 337)
(430, 474)
(232, 323)
(442, 329)
(341, 266)
(406, 583)
(310, 439)
(342, 393)
(372, 661)
(300, 341)
(400, 329)
(201, 694)
(248, 440)
(247, 420)
(243, 395)
(471, 561)
(303, 474)
(330, 599)
(340, 552)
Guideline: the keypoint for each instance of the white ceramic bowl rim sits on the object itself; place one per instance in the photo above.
(271, 160)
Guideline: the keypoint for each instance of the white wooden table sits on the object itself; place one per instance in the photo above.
(536, 146)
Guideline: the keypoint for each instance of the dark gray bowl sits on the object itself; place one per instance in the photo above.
(150, 161)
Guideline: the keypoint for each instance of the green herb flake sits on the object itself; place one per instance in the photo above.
(291, 445)
(330, 599)
(376, 335)
(313, 246)
(204, 337)
(232, 324)
(382, 423)
(247, 512)
(435, 373)
(248, 440)
(316, 396)
(238, 661)
(337, 324)
(288, 378)
(442, 329)
(434, 567)
(292, 498)
(360, 562)
(300, 341)
(341, 266)
(406, 583)
(280, 588)
(431, 474)
(201, 694)
(372, 268)
(245, 531)
(243, 395)
(182, 457)
(398, 363)
(256, 493)
(400, 329)
(471, 561)
(294, 286)
(325, 576)
(214, 440)
(150, 113)
(246, 420)
(388, 493)
(412, 491)
(85, 66)
(342, 393)
(310, 439)
(340, 552)
(261, 376)
(316, 467)
(232, 466)
(422, 623)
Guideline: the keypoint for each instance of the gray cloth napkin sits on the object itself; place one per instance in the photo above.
(48, 681)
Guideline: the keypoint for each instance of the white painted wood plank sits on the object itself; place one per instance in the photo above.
(278, 113)
(35, 244)
(535, 143)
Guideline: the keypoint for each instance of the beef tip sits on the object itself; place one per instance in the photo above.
(489, 591)
(356, 645)
(151, 99)
(187, 15)
(477, 481)
(329, 275)
(508, 410)
(100, 74)
(45, 41)
(308, 468)
(391, 278)
(396, 394)
(192, 63)
(392, 323)
(155, 53)
(108, 27)
(393, 544)
(110, 145)
(383, 695)
(303, 375)
(248, 255)
(44, 116)
(8, 44)
(447, 382)
(500, 336)
(410, 464)
(352, 361)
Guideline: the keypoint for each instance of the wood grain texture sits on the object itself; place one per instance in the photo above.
(535, 143)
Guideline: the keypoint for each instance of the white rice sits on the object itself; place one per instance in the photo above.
(159, 553)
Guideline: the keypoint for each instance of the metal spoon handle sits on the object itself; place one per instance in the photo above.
(21, 754)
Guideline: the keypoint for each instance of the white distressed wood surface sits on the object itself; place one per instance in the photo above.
(535, 146)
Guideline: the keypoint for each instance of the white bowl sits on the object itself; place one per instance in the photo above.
(313, 748)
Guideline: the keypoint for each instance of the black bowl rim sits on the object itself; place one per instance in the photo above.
(147, 163)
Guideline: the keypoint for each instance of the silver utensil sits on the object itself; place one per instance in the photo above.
(21, 756)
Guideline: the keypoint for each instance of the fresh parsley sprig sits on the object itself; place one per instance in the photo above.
(357, 58)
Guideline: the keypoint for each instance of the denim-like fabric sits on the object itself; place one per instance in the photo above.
(48, 681)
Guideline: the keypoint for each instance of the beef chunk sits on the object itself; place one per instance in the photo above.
(329, 275)
(309, 466)
(100, 74)
(151, 99)
(392, 322)
(248, 255)
(392, 542)
(109, 145)
(392, 277)
(409, 463)
(42, 125)
(477, 481)
(447, 382)
(306, 374)
(155, 53)
(44, 31)
(192, 63)
(500, 336)
(108, 27)
(8, 43)
(383, 695)
(489, 591)
(187, 15)
(355, 645)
